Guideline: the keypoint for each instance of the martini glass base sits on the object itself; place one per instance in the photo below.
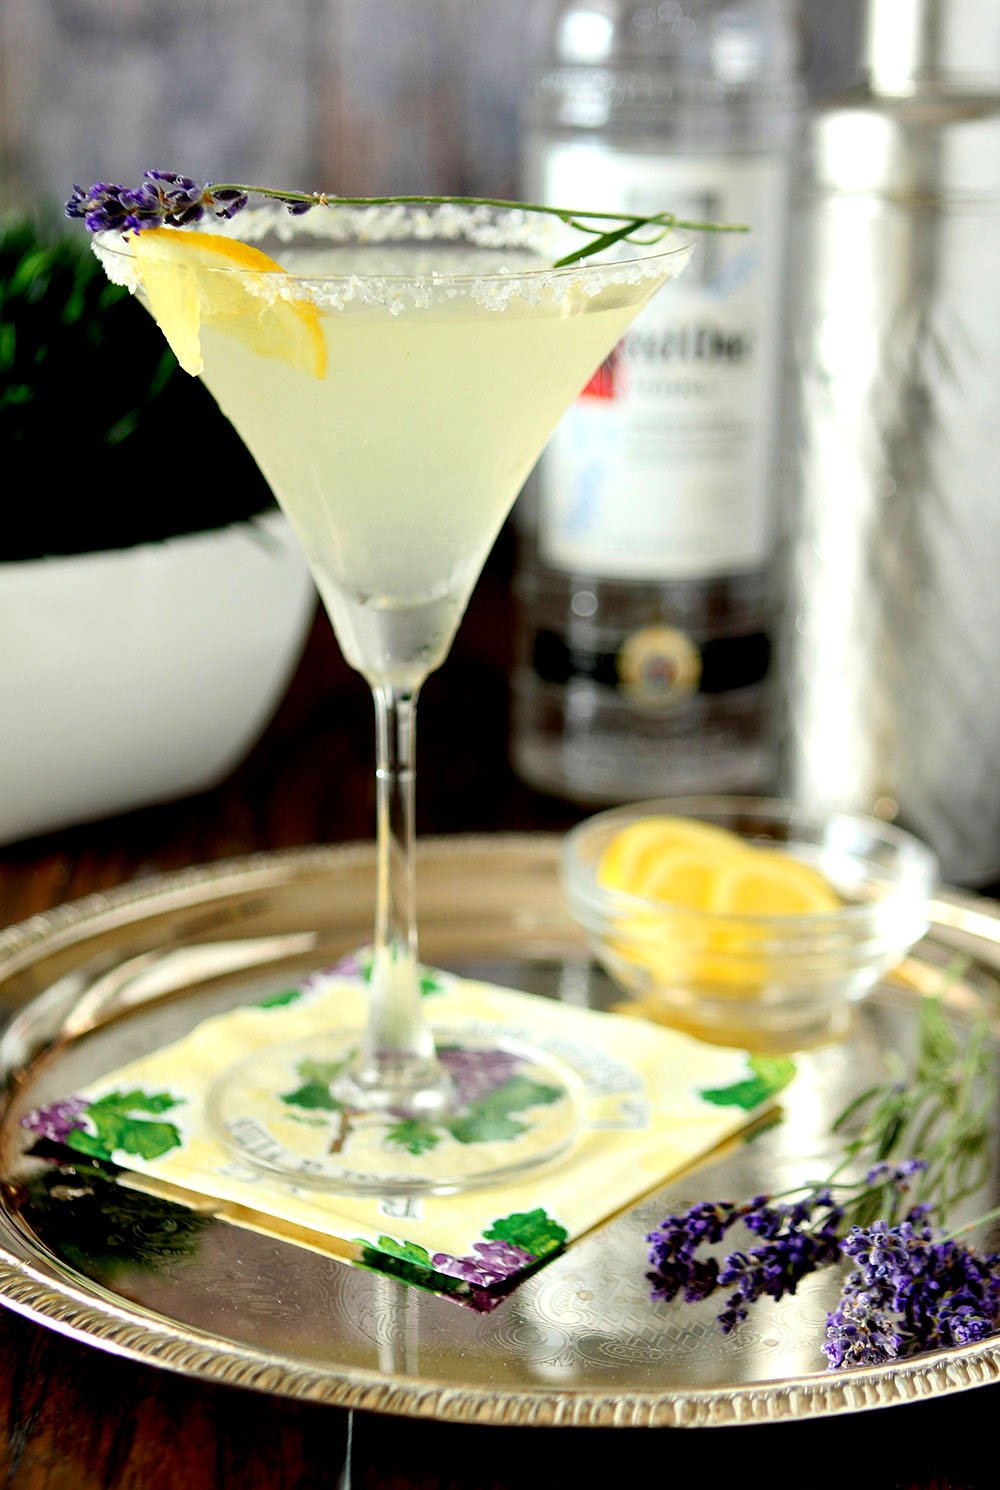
(296, 1112)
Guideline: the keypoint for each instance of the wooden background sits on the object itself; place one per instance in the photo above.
(354, 95)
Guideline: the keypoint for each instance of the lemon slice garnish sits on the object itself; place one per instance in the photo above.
(638, 857)
(770, 884)
(180, 274)
(699, 931)
(681, 877)
(699, 866)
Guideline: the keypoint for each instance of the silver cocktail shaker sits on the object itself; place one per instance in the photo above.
(891, 670)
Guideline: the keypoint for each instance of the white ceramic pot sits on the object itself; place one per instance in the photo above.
(144, 674)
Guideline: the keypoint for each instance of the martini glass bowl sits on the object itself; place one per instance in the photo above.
(396, 379)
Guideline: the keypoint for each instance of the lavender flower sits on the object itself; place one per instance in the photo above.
(861, 1332)
(801, 1239)
(798, 1239)
(910, 1293)
(907, 1293)
(493, 1263)
(57, 1120)
(894, 1174)
(163, 198)
(103, 207)
(297, 206)
(676, 1270)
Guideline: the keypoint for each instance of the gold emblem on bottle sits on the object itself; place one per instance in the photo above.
(658, 667)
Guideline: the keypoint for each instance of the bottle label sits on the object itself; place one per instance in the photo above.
(663, 467)
(656, 667)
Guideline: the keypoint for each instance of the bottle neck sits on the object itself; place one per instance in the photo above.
(698, 75)
(731, 44)
(911, 45)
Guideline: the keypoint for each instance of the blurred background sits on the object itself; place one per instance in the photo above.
(420, 95)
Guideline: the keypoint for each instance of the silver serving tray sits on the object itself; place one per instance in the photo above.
(88, 986)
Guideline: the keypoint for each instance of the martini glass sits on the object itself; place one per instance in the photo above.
(425, 355)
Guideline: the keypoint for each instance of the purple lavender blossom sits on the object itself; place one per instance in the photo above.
(493, 1263)
(58, 1120)
(103, 208)
(797, 1238)
(297, 207)
(163, 198)
(861, 1332)
(894, 1174)
(476, 1073)
(226, 200)
(804, 1242)
(673, 1244)
(909, 1294)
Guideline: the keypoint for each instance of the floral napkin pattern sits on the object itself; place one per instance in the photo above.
(654, 1101)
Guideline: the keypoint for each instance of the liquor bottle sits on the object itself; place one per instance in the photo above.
(890, 679)
(645, 589)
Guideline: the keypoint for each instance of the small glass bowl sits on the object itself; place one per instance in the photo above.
(761, 982)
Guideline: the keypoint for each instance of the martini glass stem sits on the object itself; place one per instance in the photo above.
(397, 1061)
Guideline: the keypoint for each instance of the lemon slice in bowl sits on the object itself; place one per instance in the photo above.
(681, 876)
(642, 854)
(179, 273)
(770, 884)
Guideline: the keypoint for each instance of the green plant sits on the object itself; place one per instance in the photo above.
(106, 443)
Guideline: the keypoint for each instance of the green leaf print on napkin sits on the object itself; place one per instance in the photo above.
(535, 1231)
(280, 1000)
(407, 1261)
(489, 1119)
(511, 1248)
(492, 1116)
(406, 1251)
(768, 1076)
(116, 1126)
(413, 1136)
(317, 1077)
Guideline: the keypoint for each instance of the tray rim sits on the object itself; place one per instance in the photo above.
(37, 1289)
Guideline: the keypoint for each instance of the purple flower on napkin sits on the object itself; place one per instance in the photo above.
(58, 1120)
(476, 1073)
(492, 1263)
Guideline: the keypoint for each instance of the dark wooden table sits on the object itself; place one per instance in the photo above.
(75, 1418)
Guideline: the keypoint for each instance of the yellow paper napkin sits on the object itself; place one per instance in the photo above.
(652, 1102)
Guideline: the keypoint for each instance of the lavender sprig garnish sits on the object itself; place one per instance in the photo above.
(164, 199)
(912, 1288)
(167, 199)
